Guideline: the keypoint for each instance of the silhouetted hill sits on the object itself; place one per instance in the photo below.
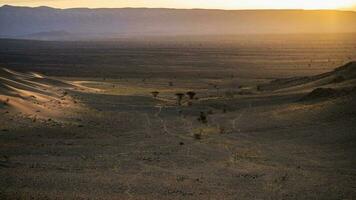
(19, 22)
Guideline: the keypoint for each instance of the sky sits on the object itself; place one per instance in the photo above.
(208, 4)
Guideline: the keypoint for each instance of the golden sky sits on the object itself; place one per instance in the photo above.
(214, 4)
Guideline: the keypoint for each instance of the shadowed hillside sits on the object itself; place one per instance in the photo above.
(341, 76)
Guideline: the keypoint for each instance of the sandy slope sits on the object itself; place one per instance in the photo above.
(33, 94)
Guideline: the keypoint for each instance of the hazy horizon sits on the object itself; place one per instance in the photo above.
(77, 24)
(351, 9)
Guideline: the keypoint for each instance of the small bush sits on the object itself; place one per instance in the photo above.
(221, 130)
(202, 118)
(224, 110)
(197, 136)
(229, 94)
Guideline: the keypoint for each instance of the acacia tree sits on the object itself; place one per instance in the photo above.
(179, 98)
(155, 94)
(191, 95)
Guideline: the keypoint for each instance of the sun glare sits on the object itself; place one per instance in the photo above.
(211, 4)
(284, 4)
(313, 4)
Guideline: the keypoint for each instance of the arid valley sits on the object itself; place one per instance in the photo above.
(260, 117)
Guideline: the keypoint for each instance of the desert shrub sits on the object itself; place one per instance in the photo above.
(217, 89)
(224, 110)
(202, 118)
(197, 136)
(229, 94)
(6, 102)
(338, 79)
(180, 112)
(210, 112)
(221, 130)
(258, 87)
(245, 92)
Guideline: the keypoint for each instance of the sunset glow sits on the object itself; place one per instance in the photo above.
(211, 4)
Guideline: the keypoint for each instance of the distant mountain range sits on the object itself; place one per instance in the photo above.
(47, 23)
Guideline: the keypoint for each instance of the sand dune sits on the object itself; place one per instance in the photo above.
(34, 94)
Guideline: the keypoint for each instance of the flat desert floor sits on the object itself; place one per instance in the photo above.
(217, 122)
